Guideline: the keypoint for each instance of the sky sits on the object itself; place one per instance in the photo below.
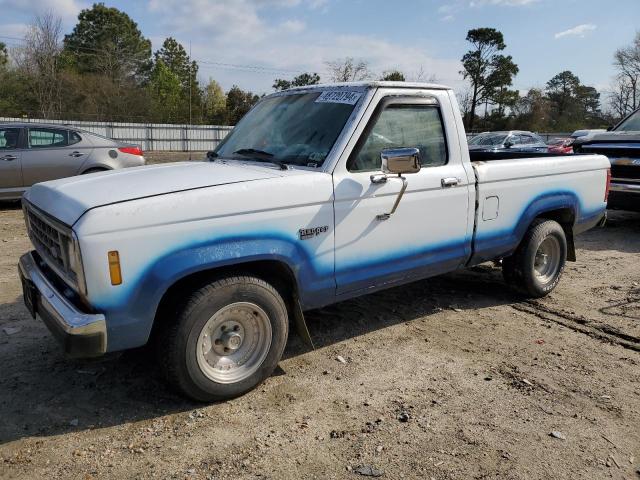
(251, 42)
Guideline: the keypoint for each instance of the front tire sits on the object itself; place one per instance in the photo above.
(226, 338)
(536, 266)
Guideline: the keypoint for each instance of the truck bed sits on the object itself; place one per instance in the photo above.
(510, 193)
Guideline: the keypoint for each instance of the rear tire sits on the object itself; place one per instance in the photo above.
(225, 339)
(536, 266)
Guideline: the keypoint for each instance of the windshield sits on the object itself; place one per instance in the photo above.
(295, 129)
(488, 139)
(631, 124)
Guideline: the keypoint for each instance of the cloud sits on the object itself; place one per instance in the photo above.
(66, 9)
(447, 18)
(577, 31)
(293, 26)
(244, 43)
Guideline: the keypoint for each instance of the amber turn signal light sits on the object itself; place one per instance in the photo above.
(114, 267)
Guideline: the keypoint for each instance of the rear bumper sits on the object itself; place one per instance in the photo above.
(81, 334)
(624, 196)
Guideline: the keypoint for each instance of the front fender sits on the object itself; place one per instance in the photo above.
(131, 315)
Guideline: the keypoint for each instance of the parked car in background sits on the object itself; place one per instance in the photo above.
(32, 153)
(622, 146)
(561, 145)
(512, 141)
(587, 133)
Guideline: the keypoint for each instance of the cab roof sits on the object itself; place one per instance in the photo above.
(375, 84)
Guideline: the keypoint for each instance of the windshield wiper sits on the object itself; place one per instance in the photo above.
(260, 156)
(253, 151)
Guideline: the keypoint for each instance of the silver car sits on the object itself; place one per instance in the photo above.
(32, 153)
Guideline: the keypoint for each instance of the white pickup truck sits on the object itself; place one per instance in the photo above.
(319, 194)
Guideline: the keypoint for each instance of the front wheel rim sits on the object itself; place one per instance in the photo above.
(234, 343)
(546, 263)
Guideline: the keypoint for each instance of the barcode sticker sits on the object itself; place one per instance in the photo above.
(339, 96)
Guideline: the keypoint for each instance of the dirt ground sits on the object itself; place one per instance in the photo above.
(449, 378)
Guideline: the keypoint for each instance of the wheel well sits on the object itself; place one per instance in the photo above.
(566, 218)
(274, 272)
(95, 169)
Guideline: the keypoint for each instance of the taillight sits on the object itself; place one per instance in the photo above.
(131, 150)
(606, 190)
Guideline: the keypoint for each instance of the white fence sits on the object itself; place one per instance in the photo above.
(150, 136)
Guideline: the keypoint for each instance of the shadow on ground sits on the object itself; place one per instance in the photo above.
(621, 233)
(66, 395)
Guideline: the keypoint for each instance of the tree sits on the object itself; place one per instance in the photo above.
(39, 62)
(215, 104)
(393, 76)
(166, 91)
(107, 41)
(4, 55)
(487, 70)
(239, 103)
(173, 58)
(561, 91)
(300, 81)
(348, 70)
(532, 112)
(572, 104)
(627, 63)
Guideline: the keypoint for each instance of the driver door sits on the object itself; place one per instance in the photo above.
(429, 232)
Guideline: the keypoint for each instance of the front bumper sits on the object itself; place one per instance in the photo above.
(624, 196)
(82, 334)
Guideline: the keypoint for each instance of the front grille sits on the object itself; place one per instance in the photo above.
(625, 171)
(51, 241)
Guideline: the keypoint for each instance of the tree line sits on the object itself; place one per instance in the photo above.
(105, 70)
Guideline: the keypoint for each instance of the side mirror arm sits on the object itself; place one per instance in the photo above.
(383, 179)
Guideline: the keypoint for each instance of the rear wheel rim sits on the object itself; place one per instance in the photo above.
(547, 260)
(234, 343)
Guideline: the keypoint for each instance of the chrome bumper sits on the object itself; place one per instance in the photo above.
(82, 334)
(625, 187)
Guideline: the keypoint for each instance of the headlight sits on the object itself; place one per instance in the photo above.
(74, 258)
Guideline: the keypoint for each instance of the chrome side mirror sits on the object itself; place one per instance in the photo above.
(400, 160)
(397, 161)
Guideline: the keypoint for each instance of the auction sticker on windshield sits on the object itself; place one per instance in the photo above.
(338, 96)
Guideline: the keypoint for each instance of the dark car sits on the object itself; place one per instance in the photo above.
(622, 146)
(512, 141)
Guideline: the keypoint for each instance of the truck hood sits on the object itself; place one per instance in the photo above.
(68, 199)
(609, 140)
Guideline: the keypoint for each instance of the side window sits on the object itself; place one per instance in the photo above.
(47, 138)
(398, 126)
(74, 137)
(515, 139)
(9, 138)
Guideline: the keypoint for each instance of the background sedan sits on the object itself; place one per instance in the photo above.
(32, 153)
(512, 141)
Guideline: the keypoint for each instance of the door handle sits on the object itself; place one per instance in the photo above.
(9, 158)
(76, 154)
(449, 182)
